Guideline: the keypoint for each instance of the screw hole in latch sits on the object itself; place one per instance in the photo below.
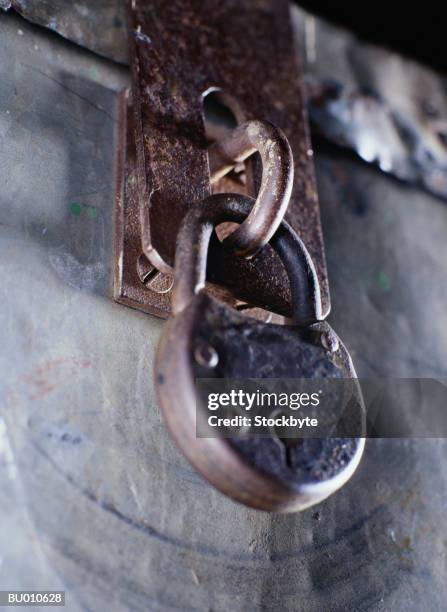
(152, 278)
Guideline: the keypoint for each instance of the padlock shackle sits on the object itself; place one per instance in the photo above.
(192, 250)
(302, 275)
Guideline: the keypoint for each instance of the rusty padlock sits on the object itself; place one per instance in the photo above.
(205, 338)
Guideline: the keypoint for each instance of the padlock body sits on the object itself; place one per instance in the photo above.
(254, 470)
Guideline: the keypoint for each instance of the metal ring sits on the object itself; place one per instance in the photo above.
(276, 184)
(192, 249)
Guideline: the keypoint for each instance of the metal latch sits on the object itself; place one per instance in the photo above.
(182, 51)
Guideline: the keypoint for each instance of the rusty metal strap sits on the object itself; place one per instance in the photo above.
(179, 51)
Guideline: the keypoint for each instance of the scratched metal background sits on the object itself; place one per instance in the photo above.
(95, 498)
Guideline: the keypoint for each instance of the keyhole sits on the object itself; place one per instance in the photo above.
(289, 456)
(289, 445)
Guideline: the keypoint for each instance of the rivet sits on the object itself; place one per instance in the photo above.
(330, 341)
(206, 356)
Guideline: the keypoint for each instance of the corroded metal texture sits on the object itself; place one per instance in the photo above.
(82, 442)
(403, 101)
(253, 471)
(192, 251)
(134, 277)
(276, 183)
(388, 109)
(411, 146)
(99, 26)
(180, 51)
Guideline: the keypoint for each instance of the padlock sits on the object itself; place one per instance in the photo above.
(205, 338)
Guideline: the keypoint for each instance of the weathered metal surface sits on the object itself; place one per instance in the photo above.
(138, 282)
(253, 471)
(99, 26)
(220, 47)
(276, 185)
(194, 242)
(408, 112)
(96, 498)
(390, 110)
(412, 149)
(134, 276)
